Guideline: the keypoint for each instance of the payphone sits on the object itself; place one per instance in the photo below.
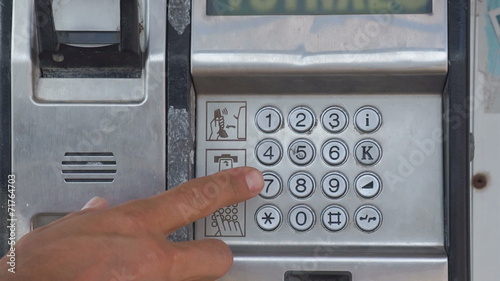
(343, 104)
(339, 103)
(88, 104)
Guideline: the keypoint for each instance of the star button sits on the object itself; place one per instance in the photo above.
(268, 218)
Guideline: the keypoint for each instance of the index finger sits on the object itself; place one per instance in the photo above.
(200, 197)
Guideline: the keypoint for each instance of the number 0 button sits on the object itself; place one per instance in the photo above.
(301, 119)
(269, 152)
(269, 119)
(335, 152)
(301, 218)
(301, 185)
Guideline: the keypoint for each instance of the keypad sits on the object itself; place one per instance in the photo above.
(334, 152)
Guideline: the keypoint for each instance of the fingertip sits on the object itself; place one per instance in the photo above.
(254, 180)
(96, 203)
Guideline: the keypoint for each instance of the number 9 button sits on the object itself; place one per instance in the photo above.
(334, 185)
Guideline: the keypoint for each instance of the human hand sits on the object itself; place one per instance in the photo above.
(128, 242)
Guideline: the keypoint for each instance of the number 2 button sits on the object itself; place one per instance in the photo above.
(269, 152)
(301, 119)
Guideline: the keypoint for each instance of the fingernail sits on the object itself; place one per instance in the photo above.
(95, 202)
(254, 180)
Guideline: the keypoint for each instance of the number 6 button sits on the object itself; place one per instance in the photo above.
(268, 152)
(335, 152)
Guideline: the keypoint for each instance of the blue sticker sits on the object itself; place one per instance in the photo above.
(493, 37)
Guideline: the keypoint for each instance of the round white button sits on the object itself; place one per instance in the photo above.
(301, 218)
(334, 152)
(268, 217)
(368, 185)
(301, 185)
(368, 152)
(334, 218)
(368, 218)
(269, 119)
(272, 187)
(269, 152)
(334, 119)
(301, 152)
(368, 119)
(301, 119)
(334, 185)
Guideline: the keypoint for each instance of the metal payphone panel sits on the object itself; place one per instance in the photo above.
(79, 137)
(343, 114)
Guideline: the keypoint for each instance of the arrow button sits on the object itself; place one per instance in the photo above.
(368, 185)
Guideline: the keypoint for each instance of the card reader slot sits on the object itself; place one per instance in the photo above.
(62, 55)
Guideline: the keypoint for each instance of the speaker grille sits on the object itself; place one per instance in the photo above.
(89, 167)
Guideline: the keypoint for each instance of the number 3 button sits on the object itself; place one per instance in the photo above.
(334, 119)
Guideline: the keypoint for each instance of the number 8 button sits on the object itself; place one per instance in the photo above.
(301, 185)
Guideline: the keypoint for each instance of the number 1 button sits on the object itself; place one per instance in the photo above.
(268, 119)
(269, 152)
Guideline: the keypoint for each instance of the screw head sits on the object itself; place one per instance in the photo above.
(479, 181)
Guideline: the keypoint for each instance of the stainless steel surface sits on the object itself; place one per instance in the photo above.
(344, 54)
(410, 169)
(107, 136)
(393, 67)
(267, 265)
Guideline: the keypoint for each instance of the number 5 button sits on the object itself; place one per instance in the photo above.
(269, 152)
(301, 152)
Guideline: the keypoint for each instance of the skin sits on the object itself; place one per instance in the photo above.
(128, 242)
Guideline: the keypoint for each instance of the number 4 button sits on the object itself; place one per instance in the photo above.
(269, 152)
